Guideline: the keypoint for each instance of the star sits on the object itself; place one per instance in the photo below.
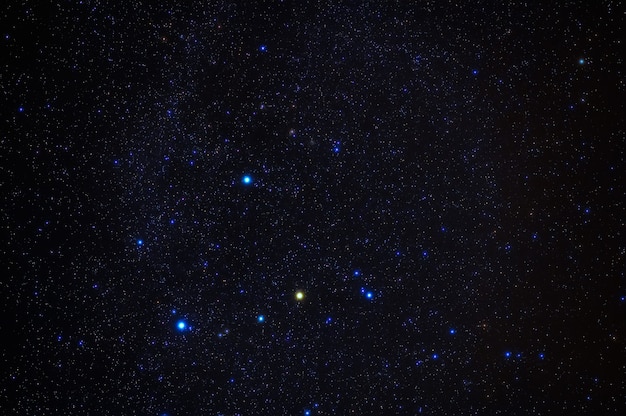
(246, 180)
(299, 295)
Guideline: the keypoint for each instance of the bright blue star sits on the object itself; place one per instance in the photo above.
(475, 71)
(507, 354)
(581, 61)
(140, 242)
(260, 318)
(435, 356)
(181, 325)
(247, 179)
(542, 356)
(21, 109)
(307, 412)
(369, 295)
(452, 331)
(263, 48)
(356, 273)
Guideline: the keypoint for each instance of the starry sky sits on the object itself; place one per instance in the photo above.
(312, 208)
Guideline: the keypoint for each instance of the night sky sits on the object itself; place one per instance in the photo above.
(312, 208)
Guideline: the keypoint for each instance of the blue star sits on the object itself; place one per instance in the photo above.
(356, 273)
(181, 325)
(507, 354)
(21, 109)
(435, 356)
(260, 318)
(581, 61)
(452, 331)
(542, 356)
(140, 242)
(263, 48)
(247, 179)
(475, 72)
(369, 295)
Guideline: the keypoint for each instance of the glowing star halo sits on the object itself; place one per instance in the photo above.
(299, 295)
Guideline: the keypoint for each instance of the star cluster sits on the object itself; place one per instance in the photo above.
(312, 208)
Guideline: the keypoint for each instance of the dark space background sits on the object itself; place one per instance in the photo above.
(441, 180)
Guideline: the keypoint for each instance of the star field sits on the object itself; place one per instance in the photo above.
(312, 208)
